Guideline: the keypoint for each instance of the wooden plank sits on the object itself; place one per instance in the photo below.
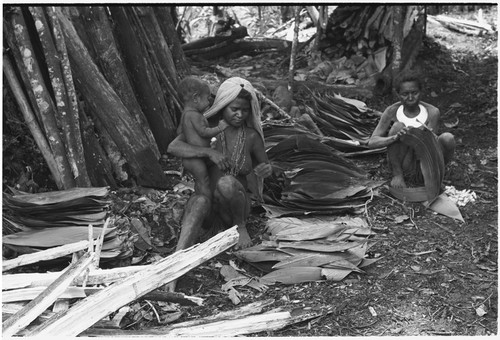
(44, 255)
(28, 294)
(93, 308)
(96, 277)
(271, 321)
(36, 307)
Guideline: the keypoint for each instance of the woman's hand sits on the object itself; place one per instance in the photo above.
(219, 159)
(263, 170)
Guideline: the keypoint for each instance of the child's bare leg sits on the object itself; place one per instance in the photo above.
(198, 168)
(234, 206)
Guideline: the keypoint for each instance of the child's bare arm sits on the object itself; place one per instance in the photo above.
(200, 124)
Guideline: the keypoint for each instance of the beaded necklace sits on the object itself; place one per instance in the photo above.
(238, 155)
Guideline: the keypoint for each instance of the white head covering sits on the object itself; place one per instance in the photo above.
(227, 92)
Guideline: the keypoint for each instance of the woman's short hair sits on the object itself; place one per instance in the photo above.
(409, 77)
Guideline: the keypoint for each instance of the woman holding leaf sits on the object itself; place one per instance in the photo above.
(238, 154)
(410, 112)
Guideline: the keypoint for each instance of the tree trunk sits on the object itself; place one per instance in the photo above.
(167, 27)
(42, 97)
(144, 80)
(397, 39)
(295, 43)
(160, 56)
(99, 166)
(31, 120)
(108, 58)
(59, 70)
(113, 114)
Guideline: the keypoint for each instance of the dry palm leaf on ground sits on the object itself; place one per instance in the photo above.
(51, 219)
(310, 249)
(312, 177)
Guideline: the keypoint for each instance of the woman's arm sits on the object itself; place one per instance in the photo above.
(178, 147)
(258, 152)
(379, 136)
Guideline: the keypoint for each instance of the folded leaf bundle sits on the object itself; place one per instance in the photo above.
(428, 152)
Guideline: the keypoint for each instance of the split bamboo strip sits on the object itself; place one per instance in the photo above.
(96, 277)
(28, 294)
(44, 255)
(90, 310)
(36, 307)
(274, 320)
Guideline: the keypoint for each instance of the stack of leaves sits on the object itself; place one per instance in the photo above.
(310, 249)
(52, 219)
(311, 177)
(341, 119)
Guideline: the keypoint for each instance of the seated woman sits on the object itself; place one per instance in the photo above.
(239, 151)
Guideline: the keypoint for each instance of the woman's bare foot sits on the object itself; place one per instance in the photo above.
(398, 182)
(244, 240)
(170, 287)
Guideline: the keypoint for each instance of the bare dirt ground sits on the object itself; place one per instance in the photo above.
(436, 276)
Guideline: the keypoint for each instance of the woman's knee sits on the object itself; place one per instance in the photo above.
(396, 127)
(447, 140)
(228, 185)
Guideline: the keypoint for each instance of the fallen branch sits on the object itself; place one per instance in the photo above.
(272, 104)
(93, 308)
(96, 277)
(270, 321)
(36, 307)
(44, 255)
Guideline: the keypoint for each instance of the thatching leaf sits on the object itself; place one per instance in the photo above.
(292, 275)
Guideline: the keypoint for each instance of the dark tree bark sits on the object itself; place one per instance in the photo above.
(30, 118)
(61, 79)
(160, 56)
(102, 41)
(98, 163)
(117, 120)
(43, 99)
(144, 80)
(167, 26)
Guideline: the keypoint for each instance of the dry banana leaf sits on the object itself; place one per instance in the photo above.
(292, 275)
(52, 237)
(322, 246)
(314, 259)
(261, 255)
(60, 196)
(335, 274)
(428, 151)
(443, 205)
(308, 233)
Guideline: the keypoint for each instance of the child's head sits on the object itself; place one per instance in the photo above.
(195, 93)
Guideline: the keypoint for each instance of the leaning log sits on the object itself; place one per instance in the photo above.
(36, 307)
(102, 41)
(146, 84)
(56, 58)
(116, 118)
(93, 308)
(251, 324)
(45, 105)
(44, 255)
(30, 119)
(168, 29)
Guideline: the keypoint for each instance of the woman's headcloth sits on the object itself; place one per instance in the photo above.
(227, 92)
